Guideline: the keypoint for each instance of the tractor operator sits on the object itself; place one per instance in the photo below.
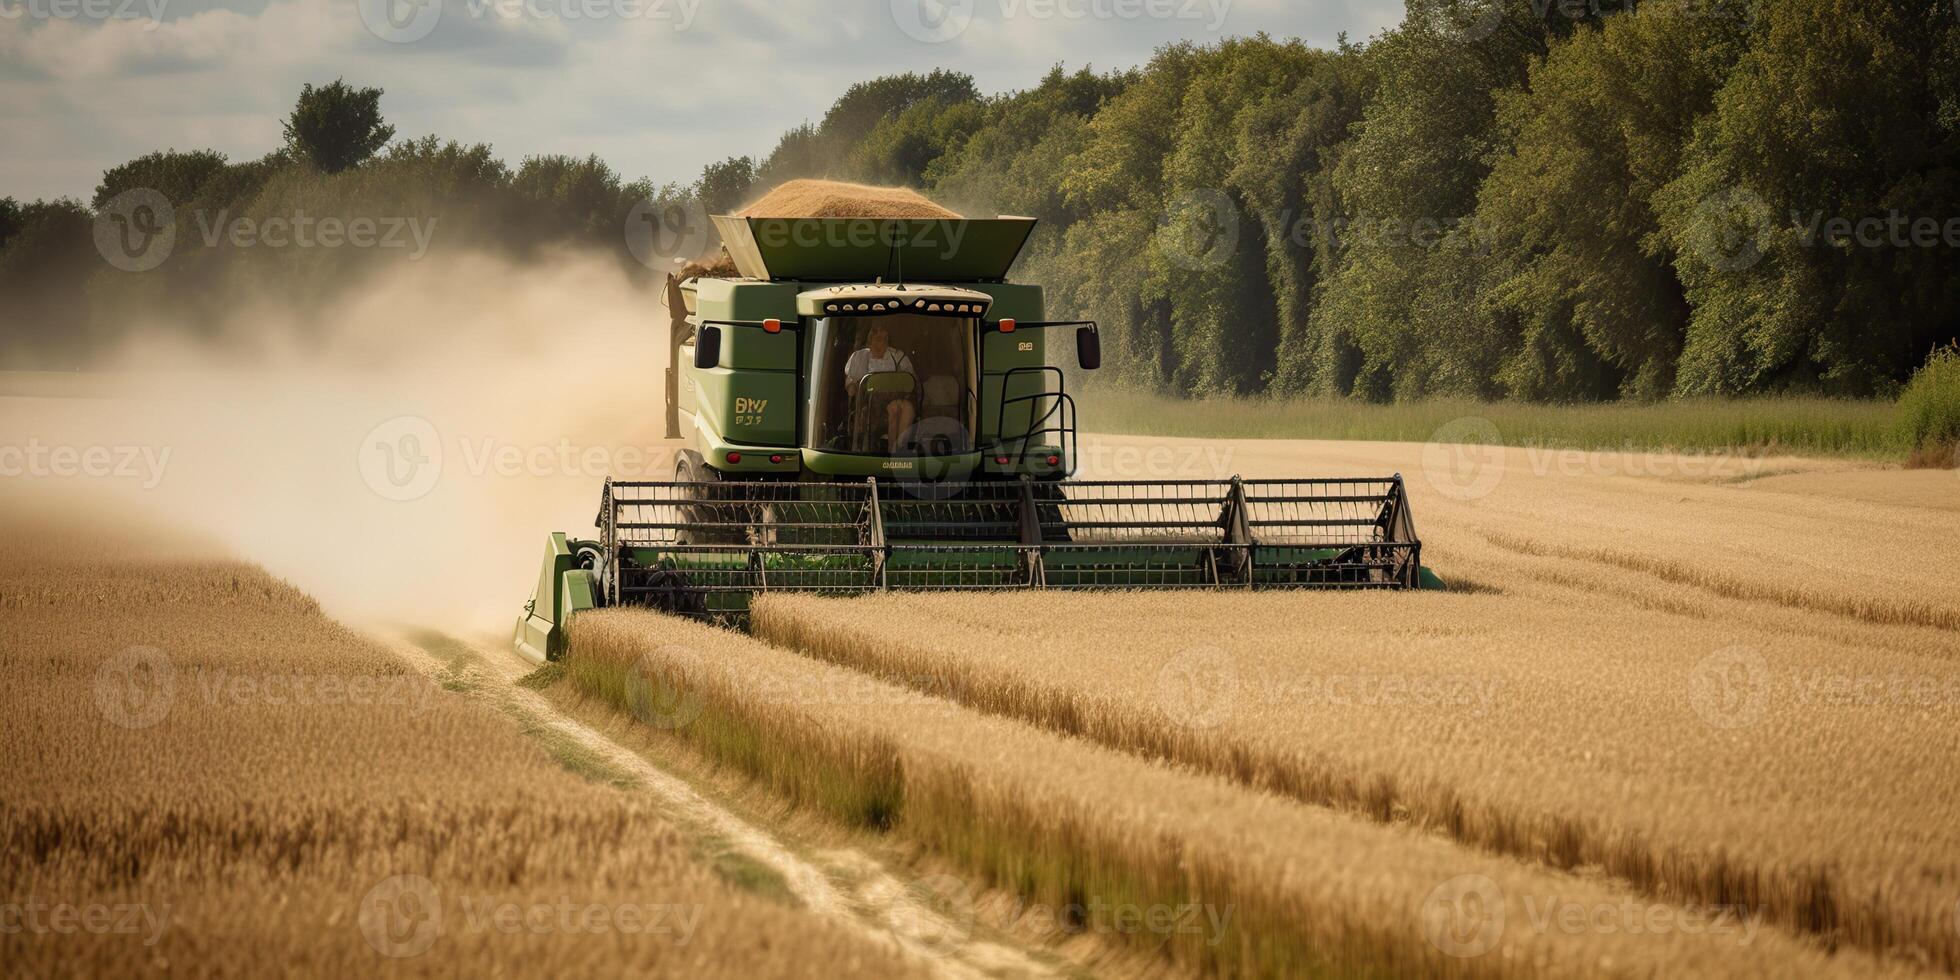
(880, 357)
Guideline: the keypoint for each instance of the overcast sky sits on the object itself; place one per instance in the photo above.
(655, 87)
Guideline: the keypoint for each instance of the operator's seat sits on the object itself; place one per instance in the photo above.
(868, 421)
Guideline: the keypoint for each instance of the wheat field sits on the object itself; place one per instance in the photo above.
(1688, 681)
(1311, 890)
(206, 775)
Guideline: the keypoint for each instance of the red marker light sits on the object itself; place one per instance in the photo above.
(734, 457)
(1054, 461)
(1002, 460)
(772, 326)
(1007, 326)
(777, 458)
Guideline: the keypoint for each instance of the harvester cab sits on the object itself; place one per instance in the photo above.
(869, 404)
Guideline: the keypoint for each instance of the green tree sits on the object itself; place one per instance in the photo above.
(46, 261)
(1015, 161)
(336, 126)
(1224, 320)
(1399, 316)
(177, 176)
(1288, 140)
(825, 150)
(580, 199)
(723, 187)
(900, 148)
(1117, 181)
(1841, 111)
(1580, 272)
(13, 217)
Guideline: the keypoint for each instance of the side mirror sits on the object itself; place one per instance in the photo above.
(1088, 348)
(707, 347)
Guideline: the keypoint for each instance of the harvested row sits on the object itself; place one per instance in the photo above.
(1700, 523)
(1699, 760)
(1065, 821)
(195, 752)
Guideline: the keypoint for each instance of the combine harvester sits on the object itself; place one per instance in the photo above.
(870, 406)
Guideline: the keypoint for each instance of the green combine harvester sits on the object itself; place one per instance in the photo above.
(870, 406)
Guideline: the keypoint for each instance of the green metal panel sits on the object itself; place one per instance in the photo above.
(563, 591)
(746, 408)
(894, 468)
(868, 249)
(736, 299)
(1002, 352)
(1013, 301)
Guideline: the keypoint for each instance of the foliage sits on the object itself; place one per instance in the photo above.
(1929, 409)
(1555, 203)
(336, 126)
(177, 176)
(49, 250)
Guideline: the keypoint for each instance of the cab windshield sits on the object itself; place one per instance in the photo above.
(900, 385)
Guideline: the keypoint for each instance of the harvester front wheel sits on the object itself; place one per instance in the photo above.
(705, 485)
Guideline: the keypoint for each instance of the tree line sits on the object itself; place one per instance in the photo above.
(1546, 200)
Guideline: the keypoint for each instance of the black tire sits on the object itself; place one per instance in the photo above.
(690, 468)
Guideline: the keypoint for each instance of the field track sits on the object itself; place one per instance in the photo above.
(869, 900)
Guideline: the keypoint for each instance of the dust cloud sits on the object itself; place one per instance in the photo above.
(400, 453)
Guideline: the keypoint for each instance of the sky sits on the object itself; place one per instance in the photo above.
(657, 88)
